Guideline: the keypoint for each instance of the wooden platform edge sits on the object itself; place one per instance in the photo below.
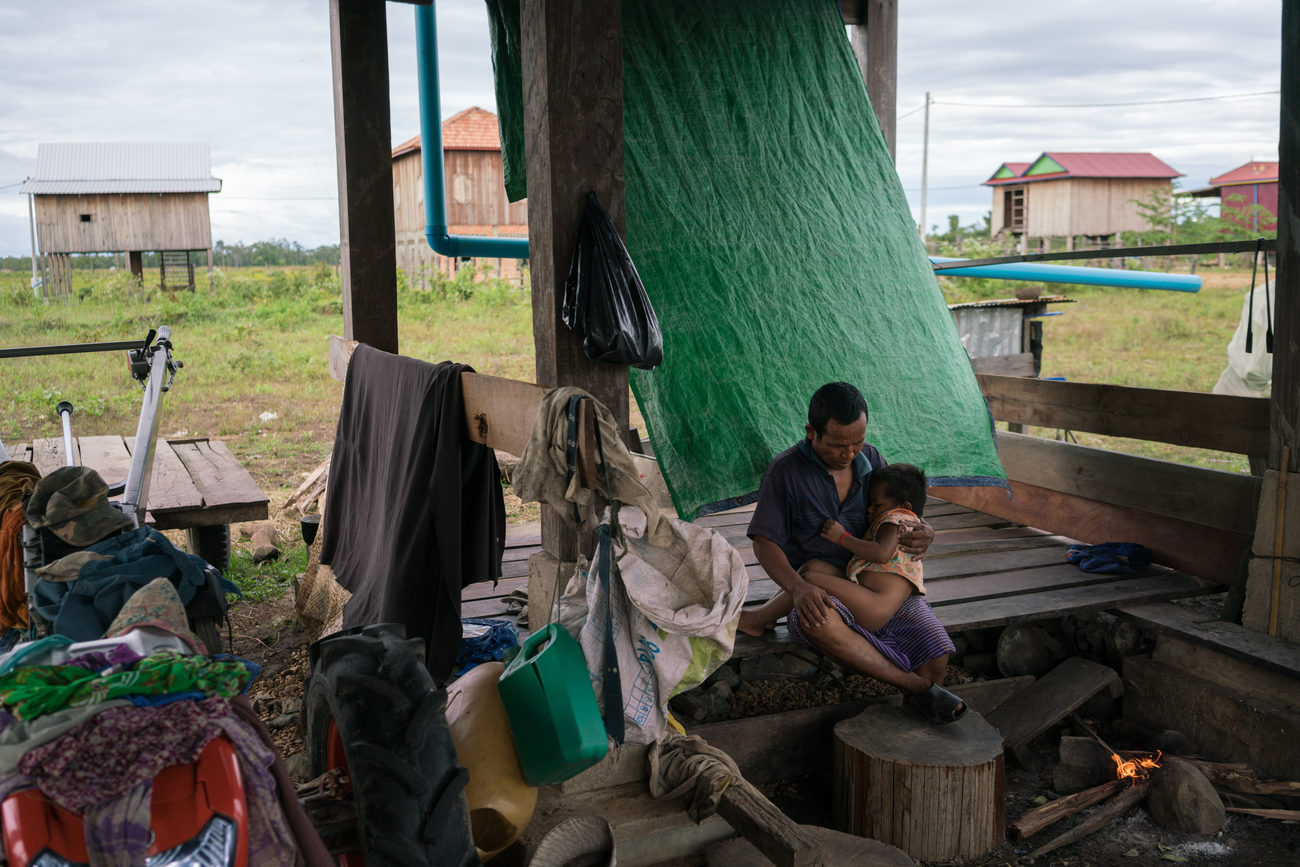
(1232, 639)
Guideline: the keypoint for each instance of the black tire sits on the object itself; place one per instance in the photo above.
(407, 785)
(212, 543)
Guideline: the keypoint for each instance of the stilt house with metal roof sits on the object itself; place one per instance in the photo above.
(1068, 195)
(121, 197)
(476, 197)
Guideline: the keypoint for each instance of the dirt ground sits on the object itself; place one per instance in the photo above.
(268, 634)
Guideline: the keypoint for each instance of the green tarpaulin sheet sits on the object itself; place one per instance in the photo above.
(774, 240)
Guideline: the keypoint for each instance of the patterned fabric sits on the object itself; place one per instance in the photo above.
(155, 604)
(902, 563)
(39, 689)
(118, 654)
(117, 831)
(913, 637)
(116, 825)
(116, 750)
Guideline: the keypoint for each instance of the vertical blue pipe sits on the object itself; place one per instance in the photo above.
(435, 188)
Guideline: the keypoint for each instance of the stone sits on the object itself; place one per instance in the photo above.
(805, 653)
(765, 667)
(1024, 648)
(701, 705)
(299, 767)
(959, 641)
(727, 674)
(1172, 742)
(1126, 638)
(985, 664)
(1183, 799)
(265, 544)
(794, 665)
(721, 689)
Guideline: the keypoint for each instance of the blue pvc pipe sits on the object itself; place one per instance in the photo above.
(1042, 273)
(435, 188)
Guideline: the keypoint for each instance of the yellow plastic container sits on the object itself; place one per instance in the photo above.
(552, 708)
(500, 803)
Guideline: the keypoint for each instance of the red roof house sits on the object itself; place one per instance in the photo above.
(1062, 194)
(474, 180)
(1249, 190)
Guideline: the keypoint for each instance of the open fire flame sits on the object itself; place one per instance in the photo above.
(1136, 768)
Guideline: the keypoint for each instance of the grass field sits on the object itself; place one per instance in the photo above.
(255, 350)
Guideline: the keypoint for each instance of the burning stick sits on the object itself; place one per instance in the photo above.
(1107, 813)
(1131, 769)
(1040, 817)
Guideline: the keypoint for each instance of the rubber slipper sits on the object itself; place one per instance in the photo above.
(938, 705)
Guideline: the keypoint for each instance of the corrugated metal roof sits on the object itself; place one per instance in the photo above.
(1095, 165)
(1257, 172)
(474, 129)
(66, 168)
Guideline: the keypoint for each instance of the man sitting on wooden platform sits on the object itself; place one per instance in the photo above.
(827, 476)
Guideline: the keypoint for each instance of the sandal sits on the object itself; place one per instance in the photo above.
(938, 705)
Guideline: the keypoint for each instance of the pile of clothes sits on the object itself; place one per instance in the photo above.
(122, 689)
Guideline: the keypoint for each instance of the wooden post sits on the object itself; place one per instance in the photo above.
(573, 121)
(363, 139)
(1286, 324)
(875, 43)
(1272, 602)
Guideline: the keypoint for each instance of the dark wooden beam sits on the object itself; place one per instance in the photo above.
(363, 138)
(573, 120)
(1286, 322)
(873, 33)
(1197, 495)
(1208, 421)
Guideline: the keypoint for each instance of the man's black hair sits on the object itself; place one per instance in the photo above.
(904, 483)
(835, 400)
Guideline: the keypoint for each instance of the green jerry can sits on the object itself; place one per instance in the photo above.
(552, 708)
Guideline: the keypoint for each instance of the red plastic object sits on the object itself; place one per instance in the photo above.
(185, 797)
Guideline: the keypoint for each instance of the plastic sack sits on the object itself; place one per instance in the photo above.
(675, 611)
(1110, 558)
(604, 300)
(1250, 374)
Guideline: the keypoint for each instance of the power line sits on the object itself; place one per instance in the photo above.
(1107, 104)
(282, 198)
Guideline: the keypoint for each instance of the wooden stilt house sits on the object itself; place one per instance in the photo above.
(128, 198)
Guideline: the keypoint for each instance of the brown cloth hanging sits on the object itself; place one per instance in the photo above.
(414, 510)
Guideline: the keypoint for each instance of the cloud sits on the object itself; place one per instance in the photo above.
(252, 78)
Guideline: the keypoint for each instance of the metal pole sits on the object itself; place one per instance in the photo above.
(31, 221)
(65, 413)
(925, 160)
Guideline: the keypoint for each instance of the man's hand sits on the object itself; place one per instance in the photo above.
(915, 540)
(812, 603)
(832, 531)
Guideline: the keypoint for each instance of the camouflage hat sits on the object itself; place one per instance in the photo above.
(72, 502)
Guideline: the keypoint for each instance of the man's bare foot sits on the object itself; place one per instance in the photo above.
(753, 624)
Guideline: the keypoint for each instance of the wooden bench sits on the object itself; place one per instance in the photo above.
(197, 484)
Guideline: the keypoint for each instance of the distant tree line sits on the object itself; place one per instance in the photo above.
(277, 251)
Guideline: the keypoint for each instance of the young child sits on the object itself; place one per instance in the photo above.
(881, 576)
(896, 500)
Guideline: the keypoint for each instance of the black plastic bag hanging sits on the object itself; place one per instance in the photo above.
(604, 300)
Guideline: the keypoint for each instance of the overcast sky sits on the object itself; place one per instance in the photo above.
(252, 78)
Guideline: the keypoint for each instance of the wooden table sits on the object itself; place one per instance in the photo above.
(195, 483)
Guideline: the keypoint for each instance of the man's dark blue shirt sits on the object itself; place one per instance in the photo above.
(798, 494)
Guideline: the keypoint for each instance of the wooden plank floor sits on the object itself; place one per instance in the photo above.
(195, 482)
(980, 572)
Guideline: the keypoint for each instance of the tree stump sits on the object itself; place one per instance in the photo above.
(938, 792)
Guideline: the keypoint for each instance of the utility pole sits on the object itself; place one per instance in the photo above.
(925, 159)
(31, 221)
